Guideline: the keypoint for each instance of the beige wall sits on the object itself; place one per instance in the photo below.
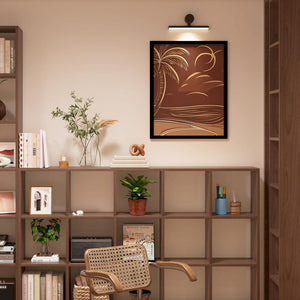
(101, 49)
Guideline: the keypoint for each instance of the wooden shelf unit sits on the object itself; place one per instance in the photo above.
(282, 170)
(104, 217)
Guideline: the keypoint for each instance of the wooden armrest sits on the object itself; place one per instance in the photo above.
(178, 266)
(107, 276)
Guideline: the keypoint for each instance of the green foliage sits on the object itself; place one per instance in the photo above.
(45, 233)
(137, 186)
(2, 80)
(77, 119)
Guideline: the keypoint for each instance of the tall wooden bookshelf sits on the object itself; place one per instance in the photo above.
(282, 129)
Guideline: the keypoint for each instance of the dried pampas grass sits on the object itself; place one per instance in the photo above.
(104, 123)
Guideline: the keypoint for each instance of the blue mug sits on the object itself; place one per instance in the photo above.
(221, 206)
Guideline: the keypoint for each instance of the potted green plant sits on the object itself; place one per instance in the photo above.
(138, 193)
(83, 128)
(43, 233)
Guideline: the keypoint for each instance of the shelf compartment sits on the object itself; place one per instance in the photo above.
(274, 115)
(178, 286)
(8, 133)
(274, 21)
(184, 191)
(31, 247)
(274, 68)
(57, 180)
(8, 97)
(185, 238)
(231, 238)
(274, 208)
(274, 163)
(237, 182)
(231, 283)
(275, 278)
(92, 191)
(121, 192)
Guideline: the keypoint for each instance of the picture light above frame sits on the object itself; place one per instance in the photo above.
(189, 19)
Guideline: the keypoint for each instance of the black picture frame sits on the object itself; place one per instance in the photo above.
(188, 89)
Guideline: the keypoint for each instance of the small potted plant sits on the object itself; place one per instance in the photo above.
(138, 193)
(43, 233)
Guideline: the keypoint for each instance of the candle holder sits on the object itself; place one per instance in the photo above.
(63, 163)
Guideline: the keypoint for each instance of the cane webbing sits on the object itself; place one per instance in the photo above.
(83, 293)
(128, 263)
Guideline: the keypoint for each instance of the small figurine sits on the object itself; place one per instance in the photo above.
(136, 149)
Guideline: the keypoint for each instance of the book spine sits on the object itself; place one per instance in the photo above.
(1, 55)
(43, 287)
(34, 143)
(12, 56)
(37, 286)
(24, 286)
(30, 151)
(25, 150)
(54, 286)
(7, 56)
(41, 150)
(21, 150)
(45, 149)
(48, 286)
(60, 287)
(7, 261)
(6, 256)
(38, 151)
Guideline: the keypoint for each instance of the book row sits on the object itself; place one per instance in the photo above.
(7, 55)
(42, 286)
(33, 151)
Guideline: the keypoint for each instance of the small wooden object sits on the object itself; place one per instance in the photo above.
(63, 163)
(136, 149)
(235, 208)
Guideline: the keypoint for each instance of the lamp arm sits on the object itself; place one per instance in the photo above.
(177, 266)
(107, 276)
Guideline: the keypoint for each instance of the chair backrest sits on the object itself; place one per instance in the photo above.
(128, 263)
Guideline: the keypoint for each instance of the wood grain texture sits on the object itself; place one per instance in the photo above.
(289, 246)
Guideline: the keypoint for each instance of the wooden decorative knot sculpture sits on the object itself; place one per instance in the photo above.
(136, 149)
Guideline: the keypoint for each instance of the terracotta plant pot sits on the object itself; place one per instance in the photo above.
(137, 207)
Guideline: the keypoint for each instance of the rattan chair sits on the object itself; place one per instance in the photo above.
(122, 268)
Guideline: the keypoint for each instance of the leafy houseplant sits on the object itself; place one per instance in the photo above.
(43, 233)
(137, 196)
(79, 124)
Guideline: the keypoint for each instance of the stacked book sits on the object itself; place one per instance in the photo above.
(42, 286)
(7, 55)
(33, 152)
(123, 161)
(7, 253)
(45, 259)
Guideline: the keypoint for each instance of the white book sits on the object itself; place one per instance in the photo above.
(45, 149)
(7, 56)
(38, 151)
(12, 56)
(146, 165)
(21, 151)
(54, 286)
(128, 161)
(2, 55)
(130, 157)
(36, 285)
(60, 287)
(34, 144)
(38, 258)
(41, 150)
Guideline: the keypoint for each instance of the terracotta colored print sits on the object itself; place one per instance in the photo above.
(188, 90)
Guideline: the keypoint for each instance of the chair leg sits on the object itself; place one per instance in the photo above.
(140, 294)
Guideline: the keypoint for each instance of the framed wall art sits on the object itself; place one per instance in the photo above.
(41, 200)
(188, 89)
(7, 154)
(7, 202)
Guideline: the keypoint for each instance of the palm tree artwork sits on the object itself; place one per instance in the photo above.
(189, 98)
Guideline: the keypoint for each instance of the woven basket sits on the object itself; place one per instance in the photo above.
(83, 293)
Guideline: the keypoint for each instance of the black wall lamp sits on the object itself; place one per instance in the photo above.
(188, 20)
